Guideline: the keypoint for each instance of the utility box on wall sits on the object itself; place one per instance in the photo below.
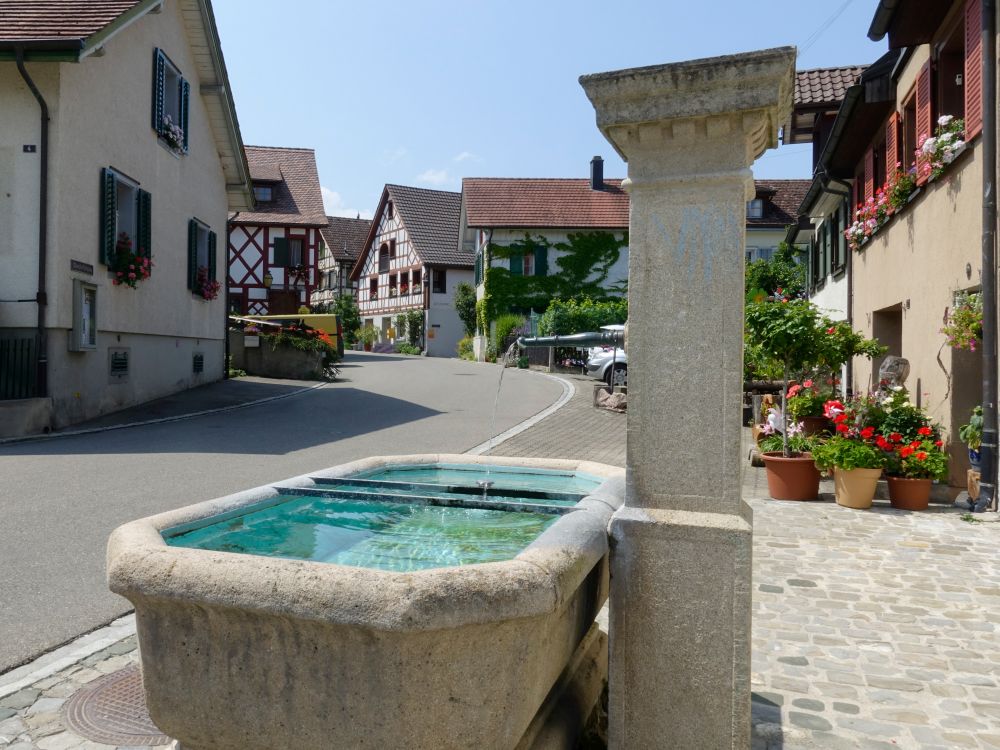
(83, 337)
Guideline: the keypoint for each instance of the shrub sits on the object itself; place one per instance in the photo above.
(465, 306)
(405, 348)
(464, 349)
(564, 317)
(505, 325)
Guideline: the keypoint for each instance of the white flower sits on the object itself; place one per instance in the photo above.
(897, 388)
(795, 429)
(944, 120)
(929, 145)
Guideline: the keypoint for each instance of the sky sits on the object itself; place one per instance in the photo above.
(426, 92)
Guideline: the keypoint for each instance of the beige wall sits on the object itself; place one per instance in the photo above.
(917, 262)
(100, 117)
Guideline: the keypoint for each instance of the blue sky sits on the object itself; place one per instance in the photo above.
(426, 92)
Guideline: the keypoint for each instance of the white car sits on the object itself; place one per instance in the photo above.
(608, 363)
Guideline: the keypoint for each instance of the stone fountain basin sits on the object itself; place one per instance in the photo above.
(244, 651)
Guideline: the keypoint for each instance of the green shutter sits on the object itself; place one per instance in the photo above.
(516, 265)
(541, 260)
(192, 254)
(109, 215)
(280, 252)
(144, 231)
(479, 269)
(159, 78)
(211, 256)
(185, 106)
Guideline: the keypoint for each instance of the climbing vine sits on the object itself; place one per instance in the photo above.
(582, 266)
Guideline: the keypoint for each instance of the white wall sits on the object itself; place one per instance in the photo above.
(442, 318)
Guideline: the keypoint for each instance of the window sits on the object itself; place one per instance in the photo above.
(392, 248)
(171, 103)
(295, 256)
(389, 211)
(879, 164)
(263, 193)
(951, 73)
(439, 281)
(909, 130)
(373, 288)
(755, 209)
(416, 279)
(392, 285)
(383, 257)
(201, 275)
(528, 266)
(126, 217)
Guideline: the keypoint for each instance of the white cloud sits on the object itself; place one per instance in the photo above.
(391, 156)
(467, 156)
(435, 177)
(333, 202)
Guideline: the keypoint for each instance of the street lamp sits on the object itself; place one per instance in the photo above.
(268, 280)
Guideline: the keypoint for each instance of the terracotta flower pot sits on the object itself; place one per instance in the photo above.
(909, 494)
(791, 478)
(855, 488)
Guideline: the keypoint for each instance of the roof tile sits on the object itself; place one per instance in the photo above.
(298, 198)
(345, 237)
(431, 218)
(782, 201)
(544, 203)
(58, 19)
(825, 85)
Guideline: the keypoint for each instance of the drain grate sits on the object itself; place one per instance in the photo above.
(112, 710)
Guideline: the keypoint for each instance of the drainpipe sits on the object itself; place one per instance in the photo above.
(42, 364)
(987, 492)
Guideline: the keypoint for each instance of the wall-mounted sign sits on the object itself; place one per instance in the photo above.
(30, 148)
(80, 267)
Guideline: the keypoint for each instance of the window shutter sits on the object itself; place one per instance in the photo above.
(109, 211)
(144, 229)
(892, 157)
(517, 265)
(923, 110)
(281, 252)
(479, 269)
(973, 69)
(869, 174)
(192, 254)
(159, 79)
(185, 107)
(541, 260)
(211, 256)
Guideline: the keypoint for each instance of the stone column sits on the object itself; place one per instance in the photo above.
(681, 574)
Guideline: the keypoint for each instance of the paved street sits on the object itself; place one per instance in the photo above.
(61, 498)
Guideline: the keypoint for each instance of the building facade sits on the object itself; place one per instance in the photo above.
(142, 170)
(412, 262)
(343, 240)
(274, 249)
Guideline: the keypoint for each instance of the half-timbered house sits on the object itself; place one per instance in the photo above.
(120, 160)
(274, 249)
(343, 240)
(412, 261)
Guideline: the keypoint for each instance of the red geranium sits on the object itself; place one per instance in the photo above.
(896, 437)
(867, 433)
(925, 431)
(921, 456)
(843, 428)
(906, 450)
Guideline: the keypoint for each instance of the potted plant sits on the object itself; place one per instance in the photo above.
(972, 435)
(852, 454)
(794, 477)
(805, 405)
(964, 326)
(912, 467)
(251, 336)
(367, 336)
(792, 334)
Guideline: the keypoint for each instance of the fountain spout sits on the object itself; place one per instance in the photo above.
(592, 338)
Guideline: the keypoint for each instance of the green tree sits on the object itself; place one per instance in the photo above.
(346, 309)
(785, 271)
(465, 306)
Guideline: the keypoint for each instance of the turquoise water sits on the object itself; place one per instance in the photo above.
(504, 477)
(455, 494)
(383, 535)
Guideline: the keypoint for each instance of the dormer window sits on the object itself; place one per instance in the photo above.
(755, 208)
(263, 193)
(389, 210)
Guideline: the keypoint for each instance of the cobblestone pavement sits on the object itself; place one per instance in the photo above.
(871, 629)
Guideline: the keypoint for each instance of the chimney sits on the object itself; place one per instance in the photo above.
(597, 173)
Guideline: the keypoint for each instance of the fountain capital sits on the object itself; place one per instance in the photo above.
(708, 118)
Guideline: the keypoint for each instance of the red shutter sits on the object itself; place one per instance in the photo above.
(924, 129)
(973, 69)
(892, 157)
(869, 174)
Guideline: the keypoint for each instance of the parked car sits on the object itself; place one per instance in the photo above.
(607, 363)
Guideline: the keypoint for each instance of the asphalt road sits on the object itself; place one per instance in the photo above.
(61, 498)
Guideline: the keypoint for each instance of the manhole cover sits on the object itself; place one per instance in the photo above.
(112, 710)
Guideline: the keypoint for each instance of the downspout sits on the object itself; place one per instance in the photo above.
(42, 364)
(987, 488)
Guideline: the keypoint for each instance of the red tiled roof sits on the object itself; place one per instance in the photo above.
(58, 19)
(544, 203)
(298, 199)
(825, 85)
(345, 237)
(782, 199)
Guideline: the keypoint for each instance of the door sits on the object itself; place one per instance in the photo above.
(282, 303)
